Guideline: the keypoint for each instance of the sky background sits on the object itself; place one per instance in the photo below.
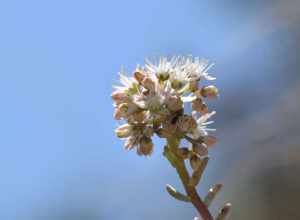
(59, 156)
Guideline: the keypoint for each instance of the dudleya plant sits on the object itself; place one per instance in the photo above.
(153, 101)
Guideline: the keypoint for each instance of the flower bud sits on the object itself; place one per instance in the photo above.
(195, 162)
(204, 109)
(119, 96)
(174, 103)
(209, 140)
(139, 75)
(200, 149)
(183, 152)
(123, 131)
(145, 147)
(130, 142)
(186, 123)
(148, 83)
(209, 91)
(148, 131)
(117, 114)
(197, 104)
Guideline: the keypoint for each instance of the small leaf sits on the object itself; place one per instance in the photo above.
(224, 212)
(213, 191)
(198, 172)
(177, 195)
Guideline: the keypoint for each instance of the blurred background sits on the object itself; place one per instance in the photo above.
(59, 157)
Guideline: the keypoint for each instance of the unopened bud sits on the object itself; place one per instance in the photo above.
(130, 142)
(197, 104)
(204, 109)
(183, 152)
(195, 162)
(117, 114)
(148, 131)
(148, 83)
(209, 91)
(146, 146)
(123, 131)
(174, 103)
(186, 123)
(119, 96)
(200, 149)
(209, 140)
(139, 75)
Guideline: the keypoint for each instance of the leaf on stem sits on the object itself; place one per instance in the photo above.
(213, 191)
(177, 195)
(198, 172)
(224, 212)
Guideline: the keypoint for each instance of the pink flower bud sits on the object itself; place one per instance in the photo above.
(195, 162)
(197, 104)
(148, 131)
(139, 75)
(117, 114)
(200, 149)
(119, 96)
(209, 140)
(186, 123)
(148, 83)
(174, 103)
(130, 142)
(145, 147)
(123, 131)
(204, 109)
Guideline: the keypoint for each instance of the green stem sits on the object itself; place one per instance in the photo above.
(185, 178)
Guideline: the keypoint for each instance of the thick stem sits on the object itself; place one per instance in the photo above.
(190, 190)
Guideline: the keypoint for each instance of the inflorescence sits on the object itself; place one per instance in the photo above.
(154, 99)
(166, 99)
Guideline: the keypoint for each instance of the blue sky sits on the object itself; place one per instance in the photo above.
(58, 61)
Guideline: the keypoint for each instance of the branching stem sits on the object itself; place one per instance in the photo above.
(185, 178)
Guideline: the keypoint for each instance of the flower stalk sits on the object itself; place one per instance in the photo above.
(186, 181)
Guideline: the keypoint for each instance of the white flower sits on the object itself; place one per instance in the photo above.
(129, 84)
(155, 99)
(201, 129)
(163, 68)
(196, 69)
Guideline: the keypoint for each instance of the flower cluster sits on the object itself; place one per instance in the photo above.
(153, 101)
